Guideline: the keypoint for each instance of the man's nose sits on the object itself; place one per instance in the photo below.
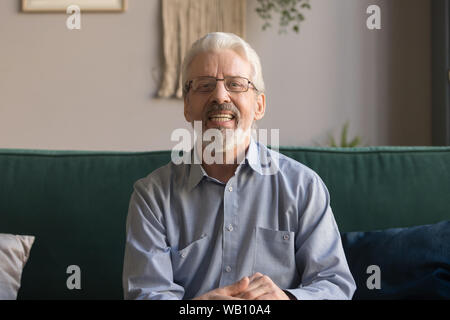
(220, 94)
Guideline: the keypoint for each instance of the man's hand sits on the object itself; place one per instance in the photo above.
(226, 293)
(261, 287)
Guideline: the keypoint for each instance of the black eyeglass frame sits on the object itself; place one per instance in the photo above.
(188, 85)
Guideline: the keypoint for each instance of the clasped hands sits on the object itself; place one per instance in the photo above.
(256, 287)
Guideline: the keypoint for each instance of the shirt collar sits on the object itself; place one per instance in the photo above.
(252, 158)
(196, 173)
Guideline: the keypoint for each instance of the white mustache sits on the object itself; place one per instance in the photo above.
(215, 107)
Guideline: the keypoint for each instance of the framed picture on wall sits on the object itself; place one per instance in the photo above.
(85, 5)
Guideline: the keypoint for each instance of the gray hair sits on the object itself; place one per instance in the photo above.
(220, 41)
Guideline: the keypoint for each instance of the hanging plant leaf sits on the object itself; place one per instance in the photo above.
(289, 11)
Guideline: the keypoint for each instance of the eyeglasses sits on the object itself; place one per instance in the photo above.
(208, 84)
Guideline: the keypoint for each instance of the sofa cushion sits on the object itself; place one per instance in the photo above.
(14, 253)
(414, 262)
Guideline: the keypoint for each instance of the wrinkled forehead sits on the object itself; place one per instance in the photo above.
(219, 64)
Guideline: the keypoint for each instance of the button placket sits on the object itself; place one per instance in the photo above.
(230, 244)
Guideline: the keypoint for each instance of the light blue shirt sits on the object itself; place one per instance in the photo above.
(188, 233)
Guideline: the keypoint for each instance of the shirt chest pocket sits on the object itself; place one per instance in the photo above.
(188, 260)
(275, 256)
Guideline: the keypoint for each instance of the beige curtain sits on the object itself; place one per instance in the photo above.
(185, 21)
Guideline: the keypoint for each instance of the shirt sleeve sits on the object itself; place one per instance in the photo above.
(320, 256)
(147, 269)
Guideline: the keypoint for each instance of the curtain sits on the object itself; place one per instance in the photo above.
(185, 21)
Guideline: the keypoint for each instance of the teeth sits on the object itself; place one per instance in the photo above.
(221, 117)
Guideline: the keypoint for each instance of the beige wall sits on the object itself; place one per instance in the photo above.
(94, 89)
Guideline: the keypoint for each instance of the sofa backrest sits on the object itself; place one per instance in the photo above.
(75, 203)
(382, 187)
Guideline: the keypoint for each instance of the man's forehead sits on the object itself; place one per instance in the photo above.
(225, 62)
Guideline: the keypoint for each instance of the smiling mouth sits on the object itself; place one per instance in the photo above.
(221, 117)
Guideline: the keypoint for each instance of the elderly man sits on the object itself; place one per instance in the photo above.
(229, 229)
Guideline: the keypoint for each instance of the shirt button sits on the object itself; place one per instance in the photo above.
(183, 255)
(286, 237)
(228, 269)
(230, 189)
(230, 228)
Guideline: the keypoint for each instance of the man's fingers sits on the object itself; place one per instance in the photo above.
(254, 282)
(236, 288)
(255, 276)
(262, 287)
(254, 293)
(251, 287)
(267, 296)
(258, 280)
(226, 293)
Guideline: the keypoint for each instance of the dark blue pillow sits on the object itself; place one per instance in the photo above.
(414, 262)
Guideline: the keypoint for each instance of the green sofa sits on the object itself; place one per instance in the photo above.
(75, 203)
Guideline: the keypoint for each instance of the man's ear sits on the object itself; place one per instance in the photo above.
(260, 106)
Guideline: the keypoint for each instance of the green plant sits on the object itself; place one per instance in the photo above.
(344, 141)
(290, 12)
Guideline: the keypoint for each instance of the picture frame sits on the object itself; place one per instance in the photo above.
(85, 5)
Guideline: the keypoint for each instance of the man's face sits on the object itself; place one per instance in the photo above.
(244, 107)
